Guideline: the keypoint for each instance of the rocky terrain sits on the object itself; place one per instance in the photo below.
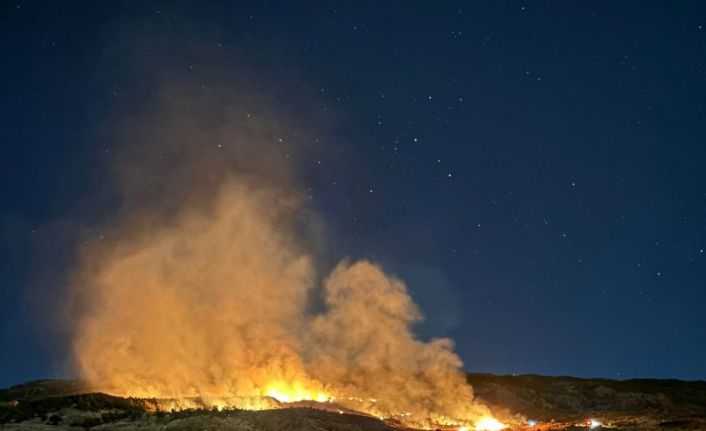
(553, 402)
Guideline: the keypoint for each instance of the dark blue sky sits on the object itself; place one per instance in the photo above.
(535, 171)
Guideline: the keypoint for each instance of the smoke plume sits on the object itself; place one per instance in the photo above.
(205, 282)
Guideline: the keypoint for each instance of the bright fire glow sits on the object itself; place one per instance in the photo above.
(592, 423)
(489, 424)
(291, 393)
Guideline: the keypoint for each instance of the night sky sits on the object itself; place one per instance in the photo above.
(535, 171)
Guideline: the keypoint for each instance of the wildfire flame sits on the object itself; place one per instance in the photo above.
(489, 424)
(289, 393)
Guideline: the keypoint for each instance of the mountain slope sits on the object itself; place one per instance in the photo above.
(555, 402)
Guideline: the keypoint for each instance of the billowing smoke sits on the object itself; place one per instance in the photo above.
(205, 283)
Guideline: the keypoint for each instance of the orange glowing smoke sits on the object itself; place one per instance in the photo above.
(201, 289)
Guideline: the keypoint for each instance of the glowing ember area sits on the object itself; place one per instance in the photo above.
(592, 423)
(489, 424)
(286, 393)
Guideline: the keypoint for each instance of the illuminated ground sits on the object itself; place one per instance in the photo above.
(553, 402)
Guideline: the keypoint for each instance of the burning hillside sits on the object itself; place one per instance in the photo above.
(545, 403)
(206, 289)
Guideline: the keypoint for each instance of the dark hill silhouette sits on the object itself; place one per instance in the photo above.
(555, 402)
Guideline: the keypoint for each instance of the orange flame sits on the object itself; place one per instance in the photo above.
(295, 391)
